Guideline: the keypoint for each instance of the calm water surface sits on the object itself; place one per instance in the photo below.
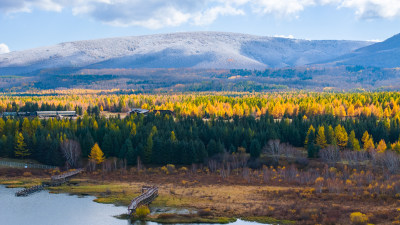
(42, 208)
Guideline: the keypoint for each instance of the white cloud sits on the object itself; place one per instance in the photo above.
(210, 15)
(369, 9)
(281, 7)
(4, 48)
(163, 13)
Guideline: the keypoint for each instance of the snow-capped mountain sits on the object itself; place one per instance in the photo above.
(210, 50)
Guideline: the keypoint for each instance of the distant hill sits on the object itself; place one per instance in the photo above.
(199, 50)
(384, 54)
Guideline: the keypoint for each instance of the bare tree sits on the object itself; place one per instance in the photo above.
(388, 160)
(71, 150)
(273, 148)
(330, 154)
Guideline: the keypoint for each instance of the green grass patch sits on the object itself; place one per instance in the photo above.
(25, 183)
(116, 194)
(268, 220)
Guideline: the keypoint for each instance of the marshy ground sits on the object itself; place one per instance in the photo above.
(214, 199)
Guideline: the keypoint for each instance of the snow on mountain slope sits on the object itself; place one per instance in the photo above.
(192, 50)
(384, 54)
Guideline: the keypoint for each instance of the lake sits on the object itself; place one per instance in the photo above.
(43, 208)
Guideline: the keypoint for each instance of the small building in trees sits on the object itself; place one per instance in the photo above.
(138, 111)
(55, 114)
(7, 114)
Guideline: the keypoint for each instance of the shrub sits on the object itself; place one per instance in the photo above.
(27, 174)
(183, 169)
(319, 183)
(142, 211)
(164, 170)
(358, 218)
(204, 212)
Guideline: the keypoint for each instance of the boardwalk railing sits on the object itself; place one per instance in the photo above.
(147, 196)
(66, 175)
(26, 165)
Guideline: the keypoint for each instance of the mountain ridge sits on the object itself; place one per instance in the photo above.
(201, 50)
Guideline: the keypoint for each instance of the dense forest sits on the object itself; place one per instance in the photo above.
(205, 126)
(349, 78)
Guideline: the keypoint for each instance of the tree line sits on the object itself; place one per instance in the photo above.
(162, 139)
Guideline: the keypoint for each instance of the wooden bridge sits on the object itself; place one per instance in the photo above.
(147, 196)
(27, 191)
(66, 175)
(55, 181)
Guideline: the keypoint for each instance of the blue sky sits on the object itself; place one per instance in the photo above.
(28, 24)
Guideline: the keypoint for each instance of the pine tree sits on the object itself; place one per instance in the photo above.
(312, 150)
(330, 137)
(255, 149)
(96, 154)
(20, 146)
(127, 147)
(321, 140)
(148, 150)
(308, 141)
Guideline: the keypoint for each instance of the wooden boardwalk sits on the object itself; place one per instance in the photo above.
(28, 191)
(66, 175)
(147, 196)
(55, 181)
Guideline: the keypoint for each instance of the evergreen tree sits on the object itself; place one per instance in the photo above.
(352, 139)
(149, 150)
(127, 147)
(330, 137)
(312, 149)
(212, 147)
(255, 149)
(311, 130)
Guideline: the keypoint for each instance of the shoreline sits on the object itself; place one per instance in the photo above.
(218, 200)
(108, 197)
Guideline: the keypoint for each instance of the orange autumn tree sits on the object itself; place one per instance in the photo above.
(96, 154)
(381, 146)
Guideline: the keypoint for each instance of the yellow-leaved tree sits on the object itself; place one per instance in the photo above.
(321, 140)
(381, 146)
(368, 141)
(96, 154)
(341, 136)
(20, 146)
